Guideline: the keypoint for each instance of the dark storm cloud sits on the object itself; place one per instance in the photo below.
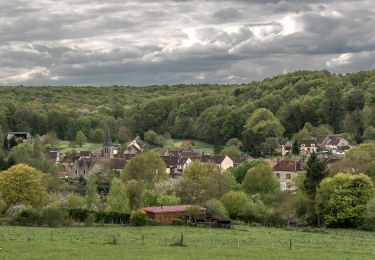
(166, 42)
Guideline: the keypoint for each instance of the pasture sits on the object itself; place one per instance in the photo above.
(240, 242)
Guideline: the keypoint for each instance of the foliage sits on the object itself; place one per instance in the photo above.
(74, 201)
(98, 136)
(134, 193)
(117, 196)
(215, 207)
(137, 218)
(152, 198)
(240, 172)
(80, 138)
(22, 184)
(234, 201)
(369, 216)
(260, 179)
(92, 199)
(316, 171)
(147, 167)
(342, 199)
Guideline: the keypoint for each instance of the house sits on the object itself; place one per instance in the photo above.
(286, 147)
(117, 164)
(307, 146)
(64, 175)
(136, 146)
(286, 171)
(243, 158)
(54, 156)
(25, 136)
(334, 144)
(176, 165)
(166, 214)
(223, 161)
(83, 167)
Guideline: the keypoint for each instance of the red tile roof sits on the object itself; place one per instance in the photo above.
(288, 166)
(164, 209)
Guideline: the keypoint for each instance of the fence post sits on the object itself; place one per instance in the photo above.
(290, 244)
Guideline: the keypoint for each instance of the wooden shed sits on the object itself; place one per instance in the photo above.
(166, 214)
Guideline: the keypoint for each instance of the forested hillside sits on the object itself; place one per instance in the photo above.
(331, 103)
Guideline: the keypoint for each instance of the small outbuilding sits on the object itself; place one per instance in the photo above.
(166, 214)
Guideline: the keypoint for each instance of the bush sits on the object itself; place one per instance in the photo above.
(234, 201)
(79, 215)
(14, 210)
(138, 218)
(27, 217)
(214, 207)
(54, 217)
(112, 217)
(178, 222)
(369, 216)
(252, 212)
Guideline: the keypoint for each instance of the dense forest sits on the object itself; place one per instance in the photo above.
(258, 113)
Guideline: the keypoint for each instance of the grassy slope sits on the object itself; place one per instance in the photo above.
(198, 145)
(63, 146)
(254, 243)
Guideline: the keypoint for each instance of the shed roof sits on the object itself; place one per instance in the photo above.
(165, 209)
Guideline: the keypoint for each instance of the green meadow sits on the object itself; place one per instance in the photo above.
(240, 242)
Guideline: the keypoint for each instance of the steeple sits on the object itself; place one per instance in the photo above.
(107, 145)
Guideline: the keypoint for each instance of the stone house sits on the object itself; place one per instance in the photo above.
(286, 171)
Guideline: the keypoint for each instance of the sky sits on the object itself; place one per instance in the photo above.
(146, 42)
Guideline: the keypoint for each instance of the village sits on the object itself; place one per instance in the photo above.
(82, 164)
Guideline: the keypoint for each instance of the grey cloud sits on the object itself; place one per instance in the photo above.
(167, 42)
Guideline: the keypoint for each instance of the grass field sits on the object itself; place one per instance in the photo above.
(63, 146)
(197, 145)
(241, 242)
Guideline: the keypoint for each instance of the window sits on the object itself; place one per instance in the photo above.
(76, 172)
(84, 172)
(288, 185)
(288, 176)
(278, 175)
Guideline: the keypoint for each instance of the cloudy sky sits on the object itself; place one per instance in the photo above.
(147, 42)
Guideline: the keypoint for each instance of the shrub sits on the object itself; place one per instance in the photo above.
(214, 207)
(177, 222)
(54, 217)
(27, 217)
(137, 218)
(14, 210)
(369, 216)
(234, 201)
(252, 212)
(79, 215)
(112, 217)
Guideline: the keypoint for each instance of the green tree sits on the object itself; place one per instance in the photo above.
(98, 136)
(260, 179)
(240, 172)
(147, 167)
(214, 207)
(37, 148)
(134, 191)
(74, 201)
(342, 199)
(116, 198)
(369, 216)
(234, 202)
(80, 138)
(295, 147)
(22, 184)
(332, 108)
(92, 200)
(316, 171)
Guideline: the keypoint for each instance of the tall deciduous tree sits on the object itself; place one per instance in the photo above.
(147, 167)
(342, 199)
(260, 179)
(134, 192)
(117, 197)
(91, 197)
(22, 184)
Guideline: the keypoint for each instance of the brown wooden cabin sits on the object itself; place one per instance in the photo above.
(166, 214)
